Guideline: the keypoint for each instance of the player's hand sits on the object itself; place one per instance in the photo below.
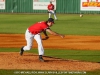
(45, 38)
(62, 36)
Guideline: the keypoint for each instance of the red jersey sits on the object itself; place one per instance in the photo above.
(38, 27)
(50, 7)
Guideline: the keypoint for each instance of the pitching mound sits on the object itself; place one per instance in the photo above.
(12, 60)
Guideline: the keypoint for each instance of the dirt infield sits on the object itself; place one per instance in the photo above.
(69, 42)
(13, 60)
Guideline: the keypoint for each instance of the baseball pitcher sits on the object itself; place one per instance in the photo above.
(33, 32)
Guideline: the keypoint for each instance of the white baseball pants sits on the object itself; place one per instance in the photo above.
(29, 39)
(52, 12)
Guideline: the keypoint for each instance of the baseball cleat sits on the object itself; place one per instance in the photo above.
(21, 51)
(41, 59)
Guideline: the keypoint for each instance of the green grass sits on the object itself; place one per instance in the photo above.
(35, 72)
(69, 24)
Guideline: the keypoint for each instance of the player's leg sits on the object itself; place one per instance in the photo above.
(40, 46)
(55, 16)
(29, 40)
(50, 13)
(53, 12)
(39, 42)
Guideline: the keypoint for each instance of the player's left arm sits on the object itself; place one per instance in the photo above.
(46, 35)
(54, 9)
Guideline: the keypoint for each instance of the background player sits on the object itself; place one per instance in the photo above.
(51, 10)
(33, 32)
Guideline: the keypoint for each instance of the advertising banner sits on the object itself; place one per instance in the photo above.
(42, 4)
(2, 4)
(90, 5)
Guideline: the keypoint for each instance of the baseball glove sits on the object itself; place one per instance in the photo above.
(45, 38)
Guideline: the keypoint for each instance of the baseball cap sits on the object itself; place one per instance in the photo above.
(51, 20)
(50, 1)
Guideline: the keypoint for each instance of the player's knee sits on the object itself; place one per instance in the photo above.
(28, 48)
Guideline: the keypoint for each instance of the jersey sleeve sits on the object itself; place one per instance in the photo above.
(46, 28)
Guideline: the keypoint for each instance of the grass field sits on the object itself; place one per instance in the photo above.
(68, 24)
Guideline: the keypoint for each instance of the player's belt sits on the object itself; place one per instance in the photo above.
(29, 31)
(33, 33)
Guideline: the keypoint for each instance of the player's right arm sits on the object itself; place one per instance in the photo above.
(54, 33)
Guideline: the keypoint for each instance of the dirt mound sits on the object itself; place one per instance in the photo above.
(12, 60)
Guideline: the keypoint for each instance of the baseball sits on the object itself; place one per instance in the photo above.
(81, 15)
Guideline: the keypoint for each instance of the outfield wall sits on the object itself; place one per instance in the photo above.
(26, 6)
